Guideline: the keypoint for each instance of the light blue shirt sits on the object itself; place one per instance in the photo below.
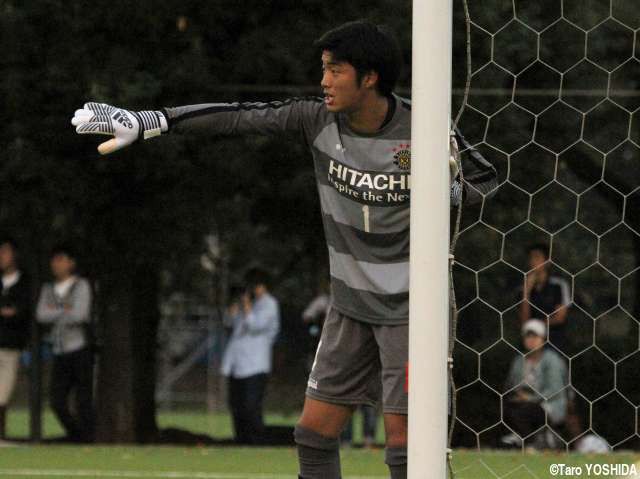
(547, 378)
(248, 351)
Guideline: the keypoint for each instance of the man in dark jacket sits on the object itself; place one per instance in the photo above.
(15, 316)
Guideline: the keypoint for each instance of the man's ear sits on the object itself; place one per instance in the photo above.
(370, 79)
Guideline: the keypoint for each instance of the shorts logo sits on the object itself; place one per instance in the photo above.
(312, 383)
(402, 156)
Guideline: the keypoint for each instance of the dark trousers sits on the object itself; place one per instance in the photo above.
(245, 398)
(72, 374)
(524, 417)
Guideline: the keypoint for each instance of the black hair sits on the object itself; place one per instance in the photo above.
(256, 276)
(65, 249)
(542, 247)
(235, 292)
(367, 47)
(11, 241)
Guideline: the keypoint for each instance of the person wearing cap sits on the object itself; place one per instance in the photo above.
(535, 389)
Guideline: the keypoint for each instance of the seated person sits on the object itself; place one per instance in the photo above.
(535, 380)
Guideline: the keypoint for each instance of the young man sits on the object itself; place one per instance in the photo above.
(549, 293)
(15, 318)
(65, 306)
(359, 135)
(247, 358)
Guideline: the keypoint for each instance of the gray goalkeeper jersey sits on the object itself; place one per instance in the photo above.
(364, 183)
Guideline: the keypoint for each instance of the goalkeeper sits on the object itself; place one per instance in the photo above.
(359, 134)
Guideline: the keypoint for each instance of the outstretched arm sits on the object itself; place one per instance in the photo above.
(126, 127)
(292, 116)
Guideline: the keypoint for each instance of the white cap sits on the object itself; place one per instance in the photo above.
(535, 326)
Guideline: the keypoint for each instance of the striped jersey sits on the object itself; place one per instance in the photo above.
(364, 183)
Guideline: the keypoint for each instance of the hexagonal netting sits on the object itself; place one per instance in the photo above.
(554, 104)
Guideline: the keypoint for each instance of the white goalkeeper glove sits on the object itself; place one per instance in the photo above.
(125, 126)
(454, 170)
(454, 157)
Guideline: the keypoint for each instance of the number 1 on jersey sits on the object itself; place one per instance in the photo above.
(365, 213)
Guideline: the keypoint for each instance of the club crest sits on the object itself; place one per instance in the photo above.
(402, 156)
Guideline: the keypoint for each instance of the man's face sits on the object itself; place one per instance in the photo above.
(62, 266)
(536, 259)
(7, 257)
(259, 290)
(533, 341)
(340, 86)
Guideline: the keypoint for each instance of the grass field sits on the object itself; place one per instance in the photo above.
(131, 462)
(217, 425)
(252, 463)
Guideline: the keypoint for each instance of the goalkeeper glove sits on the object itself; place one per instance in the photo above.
(125, 126)
(454, 157)
(454, 170)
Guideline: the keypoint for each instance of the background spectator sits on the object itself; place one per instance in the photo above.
(15, 317)
(548, 293)
(236, 293)
(247, 359)
(369, 427)
(313, 316)
(538, 378)
(65, 306)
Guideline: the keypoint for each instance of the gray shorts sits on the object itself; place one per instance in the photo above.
(361, 363)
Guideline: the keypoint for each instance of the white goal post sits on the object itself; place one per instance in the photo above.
(429, 291)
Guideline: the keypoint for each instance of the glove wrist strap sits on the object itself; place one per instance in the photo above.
(152, 123)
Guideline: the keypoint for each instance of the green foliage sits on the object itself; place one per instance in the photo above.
(149, 208)
(156, 201)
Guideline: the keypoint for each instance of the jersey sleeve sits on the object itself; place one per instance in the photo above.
(295, 115)
(479, 176)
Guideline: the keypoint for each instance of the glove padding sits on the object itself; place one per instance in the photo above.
(454, 170)
(454, 157)
(125, 126)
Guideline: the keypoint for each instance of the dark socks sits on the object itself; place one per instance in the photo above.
(319, 456)
(396, 459)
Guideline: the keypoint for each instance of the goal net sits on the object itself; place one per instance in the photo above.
(553, 104)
